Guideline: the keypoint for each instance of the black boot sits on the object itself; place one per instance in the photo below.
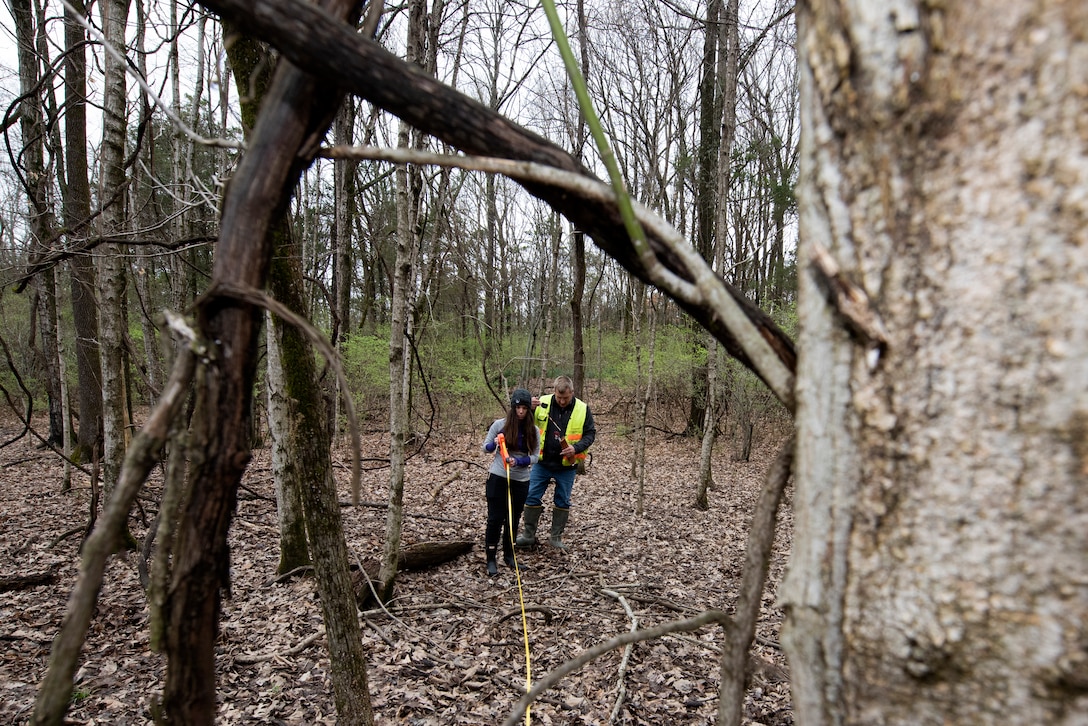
(492, 567)
(508, 553)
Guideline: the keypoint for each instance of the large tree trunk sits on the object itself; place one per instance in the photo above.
(77, 212)
(41, 222)
(309, 471)
(941, 507)
(297, 108)
(399, 370)
(253, 67)
(294, 551)
(111, 272)
(728, 40)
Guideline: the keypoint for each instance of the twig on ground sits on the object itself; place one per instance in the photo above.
(621, 686)
(707, 617)
(442, 485)
(547, 612)
(250, 659)
(381, 633)
(65, 535)
(256, 494)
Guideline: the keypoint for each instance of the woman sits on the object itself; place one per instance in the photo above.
(522, 440)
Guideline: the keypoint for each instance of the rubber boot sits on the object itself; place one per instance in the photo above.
(527, 538)
(508, 553)
(492, 567)
(559, 523)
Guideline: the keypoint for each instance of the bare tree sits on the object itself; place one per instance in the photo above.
(400, 354)
(343, 257)
(112, 223)
(77, 213)
(728, 40)
(36, 180)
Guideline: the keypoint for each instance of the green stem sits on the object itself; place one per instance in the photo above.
(627, 212)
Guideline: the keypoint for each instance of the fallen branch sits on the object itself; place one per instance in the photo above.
(547, 612)
(704, 618)
(621, 686)
(250, 659)
(442, 484)
(65, 535)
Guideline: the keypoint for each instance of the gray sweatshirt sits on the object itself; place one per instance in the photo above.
(517, 473)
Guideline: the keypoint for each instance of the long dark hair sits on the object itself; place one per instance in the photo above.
(515, 428)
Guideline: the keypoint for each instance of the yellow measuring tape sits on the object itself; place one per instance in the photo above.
(517, 572)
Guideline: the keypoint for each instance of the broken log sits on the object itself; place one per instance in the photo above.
(11, 583)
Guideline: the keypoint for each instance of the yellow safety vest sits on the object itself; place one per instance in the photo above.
(574, 426)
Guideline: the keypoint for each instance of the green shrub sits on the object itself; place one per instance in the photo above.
(366, 364)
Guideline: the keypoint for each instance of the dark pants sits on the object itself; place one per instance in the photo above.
(499, 514)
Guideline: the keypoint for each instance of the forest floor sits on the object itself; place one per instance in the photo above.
(450, 649)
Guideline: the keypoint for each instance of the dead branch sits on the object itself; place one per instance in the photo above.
(65, 535)
(442, 484)
(250, 659)
(361, 66)
(381, 633)
(735, 660)
(55, 691)
(546, 612)
(621, 686)
(589, 655)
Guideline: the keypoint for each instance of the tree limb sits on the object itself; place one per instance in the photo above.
(312, 39)
(589, 655)
(56, 687)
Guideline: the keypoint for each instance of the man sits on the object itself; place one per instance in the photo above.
(566, 431)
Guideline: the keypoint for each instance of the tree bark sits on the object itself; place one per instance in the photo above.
(111, 272)
(41, 223)
(343, 257)
(294, 551)
(940, 559)
(77, 212)
(728, 39)
(578, 237)
(296, 109)
(309, 471)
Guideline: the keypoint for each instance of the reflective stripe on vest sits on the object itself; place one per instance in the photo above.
(575, 425)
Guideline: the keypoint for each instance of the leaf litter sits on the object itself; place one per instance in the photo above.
(450, 648)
